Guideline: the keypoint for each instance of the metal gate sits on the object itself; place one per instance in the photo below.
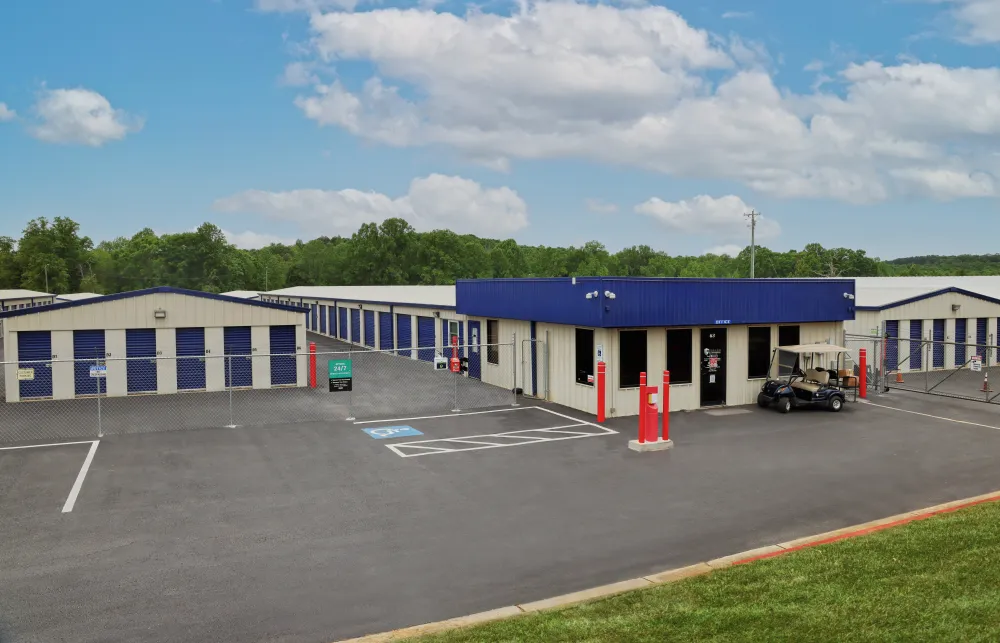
(875, 348)
(534, 374)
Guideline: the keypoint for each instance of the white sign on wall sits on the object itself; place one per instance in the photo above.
(600, 352)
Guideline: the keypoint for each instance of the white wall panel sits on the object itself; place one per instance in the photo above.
(215, 363)
(302, 361)
(117, 378)
(63, 372)
(260, 343)
(11, 387)
(166, 366)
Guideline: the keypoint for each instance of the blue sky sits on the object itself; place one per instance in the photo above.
(863, 124)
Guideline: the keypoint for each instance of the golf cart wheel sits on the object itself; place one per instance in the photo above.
(762, 401)
(836, 404)
(785, 405)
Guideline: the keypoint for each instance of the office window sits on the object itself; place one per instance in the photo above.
(492, 336)
(679, 355)
(631, 357)
(584, 356)
(788, 336)
(759, 352)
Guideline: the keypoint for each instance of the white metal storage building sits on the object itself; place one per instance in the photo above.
(243, 294)
(154, 341)
(419, 320)
(957, 315)
(76, 296)
(19, 299)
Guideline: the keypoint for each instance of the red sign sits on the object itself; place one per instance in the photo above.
(713, 362)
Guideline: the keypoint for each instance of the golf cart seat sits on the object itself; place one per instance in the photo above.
(813, 381)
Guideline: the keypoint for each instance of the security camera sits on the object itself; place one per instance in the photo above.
(848, 295)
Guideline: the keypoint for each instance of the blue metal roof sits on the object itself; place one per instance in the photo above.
(928, 295)
(639, 302)
(147, 291)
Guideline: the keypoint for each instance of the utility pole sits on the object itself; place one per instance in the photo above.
(46, 277)
(265, 278)
(752, 215)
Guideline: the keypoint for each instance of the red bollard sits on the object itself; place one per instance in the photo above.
(602, 370)
(863, 373)
(312, 364)
(665, 405)
(642, 408)
(652, 414)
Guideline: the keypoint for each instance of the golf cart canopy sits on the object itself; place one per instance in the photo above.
(813, 348)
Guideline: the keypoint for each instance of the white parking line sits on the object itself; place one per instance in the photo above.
(936, 417)
(452, 415)
(75, 491)
(498, 440)
(38, 446)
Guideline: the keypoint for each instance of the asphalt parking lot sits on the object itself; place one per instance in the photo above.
(320, 531)
(384, 385)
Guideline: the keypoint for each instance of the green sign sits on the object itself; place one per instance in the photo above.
(340, 369)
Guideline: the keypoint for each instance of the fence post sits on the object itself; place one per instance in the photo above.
(928, 355)
(350, 394)
(100, 418)
(513, 362)
(232, 423)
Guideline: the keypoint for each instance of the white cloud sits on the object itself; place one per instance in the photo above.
(737, 15)
(6, 113)
(944, 184)
(719, 217)
(814, 65)
(80, 116)
(600, 206)
(639, 86)
(434, 202)
(250, 240)
(298, 74)
(303, 6)
(729, 250)
(978, 20)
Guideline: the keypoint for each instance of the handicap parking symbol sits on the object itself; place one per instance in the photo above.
(383, 432)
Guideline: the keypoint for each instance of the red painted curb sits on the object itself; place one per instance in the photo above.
(868, 530)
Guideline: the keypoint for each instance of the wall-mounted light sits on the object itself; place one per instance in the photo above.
(360, 306)
(437, 313)
(955, 307)
(159, 313)
(609, 294)
(848, 295)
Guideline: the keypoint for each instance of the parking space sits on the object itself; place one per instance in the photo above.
(495, 429)
(319, 531)
(42, 479)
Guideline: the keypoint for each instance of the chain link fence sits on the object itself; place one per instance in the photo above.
(951, 369)
(875, 360)
(116, 396)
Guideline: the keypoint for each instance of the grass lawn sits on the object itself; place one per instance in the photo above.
(931, 580)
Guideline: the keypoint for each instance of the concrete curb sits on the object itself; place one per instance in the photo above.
(681, 573)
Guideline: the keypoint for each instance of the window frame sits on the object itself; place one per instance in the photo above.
(690, 355)
(492, 341)
(591, 372)
(621, 354)
(798, 333)
(764, 371)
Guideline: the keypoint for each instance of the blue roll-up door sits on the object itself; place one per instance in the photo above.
(404, 338)
(370, 328)
(475, 359)
(356, 326)
(342, 331)
(916, 346)
(892, 345)
(938, 347)
(34, 351)
(425, 338)
(190, 359)
(236, 340)
(141, 373)
(981, 338)
(960, 339)
(332, 313)
(313, 314)
(88, 350)
(322, 319)
(283, 369)
(385, 332)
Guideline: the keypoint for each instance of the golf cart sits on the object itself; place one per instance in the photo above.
(804, 379)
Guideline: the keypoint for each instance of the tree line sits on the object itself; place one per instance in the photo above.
(52, 256)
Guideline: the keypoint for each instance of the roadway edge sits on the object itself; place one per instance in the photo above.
(673, 575)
